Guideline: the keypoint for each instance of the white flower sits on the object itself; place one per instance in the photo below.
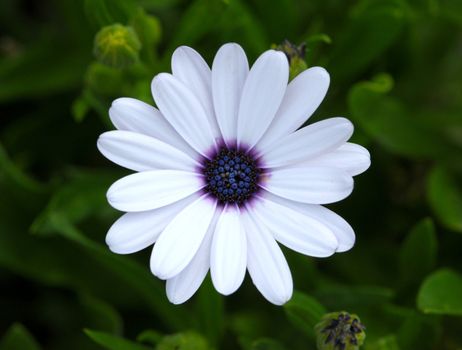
(223, 172)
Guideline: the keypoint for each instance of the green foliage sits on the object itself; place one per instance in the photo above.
(210, 312)
(419, 332)
(183, 341)
(149, 32)
(385, 343)
(75, 202)
(373, 27)
(418, 252)
(445, 197)
(106, 12)
(112, 342)
(103, 315)
(304, 312)
(440, 293)
(395, 72)
(18, 337)
(389, 122)
(266, 344)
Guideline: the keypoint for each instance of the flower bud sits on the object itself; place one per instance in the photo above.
(117, 46)
(295, 55)
(340, 331)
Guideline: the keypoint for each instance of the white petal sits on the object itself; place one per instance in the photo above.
(303, 96)
(134, 115)
(135, 231)
(191, 69)
(261, 96)
(152, 189)
(341, 229)
(181, 239)
(229, 72)
(229, 252)
(184, 111)
(295, 230)
(266, 264)
(183, 286)
(315, 185)
(308, 142)
(350, 157)
(140, 152)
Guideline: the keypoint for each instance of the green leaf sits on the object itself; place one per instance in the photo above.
(419, 332)
(113, 342)
(17, 337)
(105, 80)
(441, 293)
(103, 316)
(451, 9)
(80, 108)
(266, 344)
(183, 341)
(149, 32)
(418, 252)
(210, 312)
(304, 312)
(25, 75)
(229, 17)
(388, 342)
(150, 337)
(445, 198)
(82, 198)
(372, 28)
(105, 12)
(248, 325)
(12, 176)
(391, 124)
(342, 296)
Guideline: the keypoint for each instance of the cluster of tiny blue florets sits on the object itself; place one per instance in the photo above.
(231, 176)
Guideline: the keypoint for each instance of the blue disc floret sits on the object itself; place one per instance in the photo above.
(231, 176)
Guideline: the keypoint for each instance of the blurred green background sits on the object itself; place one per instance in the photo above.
(396, 72)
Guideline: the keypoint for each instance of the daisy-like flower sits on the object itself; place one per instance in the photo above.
(224, 173)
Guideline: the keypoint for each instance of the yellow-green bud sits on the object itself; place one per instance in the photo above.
(340, 331)
(295, 55)
(117, 46)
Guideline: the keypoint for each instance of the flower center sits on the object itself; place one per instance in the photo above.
(231, 176)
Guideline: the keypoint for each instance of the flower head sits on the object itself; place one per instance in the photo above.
(224, 172)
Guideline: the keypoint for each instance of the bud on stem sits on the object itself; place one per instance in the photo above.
(295, 55)
(340, 331)
(117, 46)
